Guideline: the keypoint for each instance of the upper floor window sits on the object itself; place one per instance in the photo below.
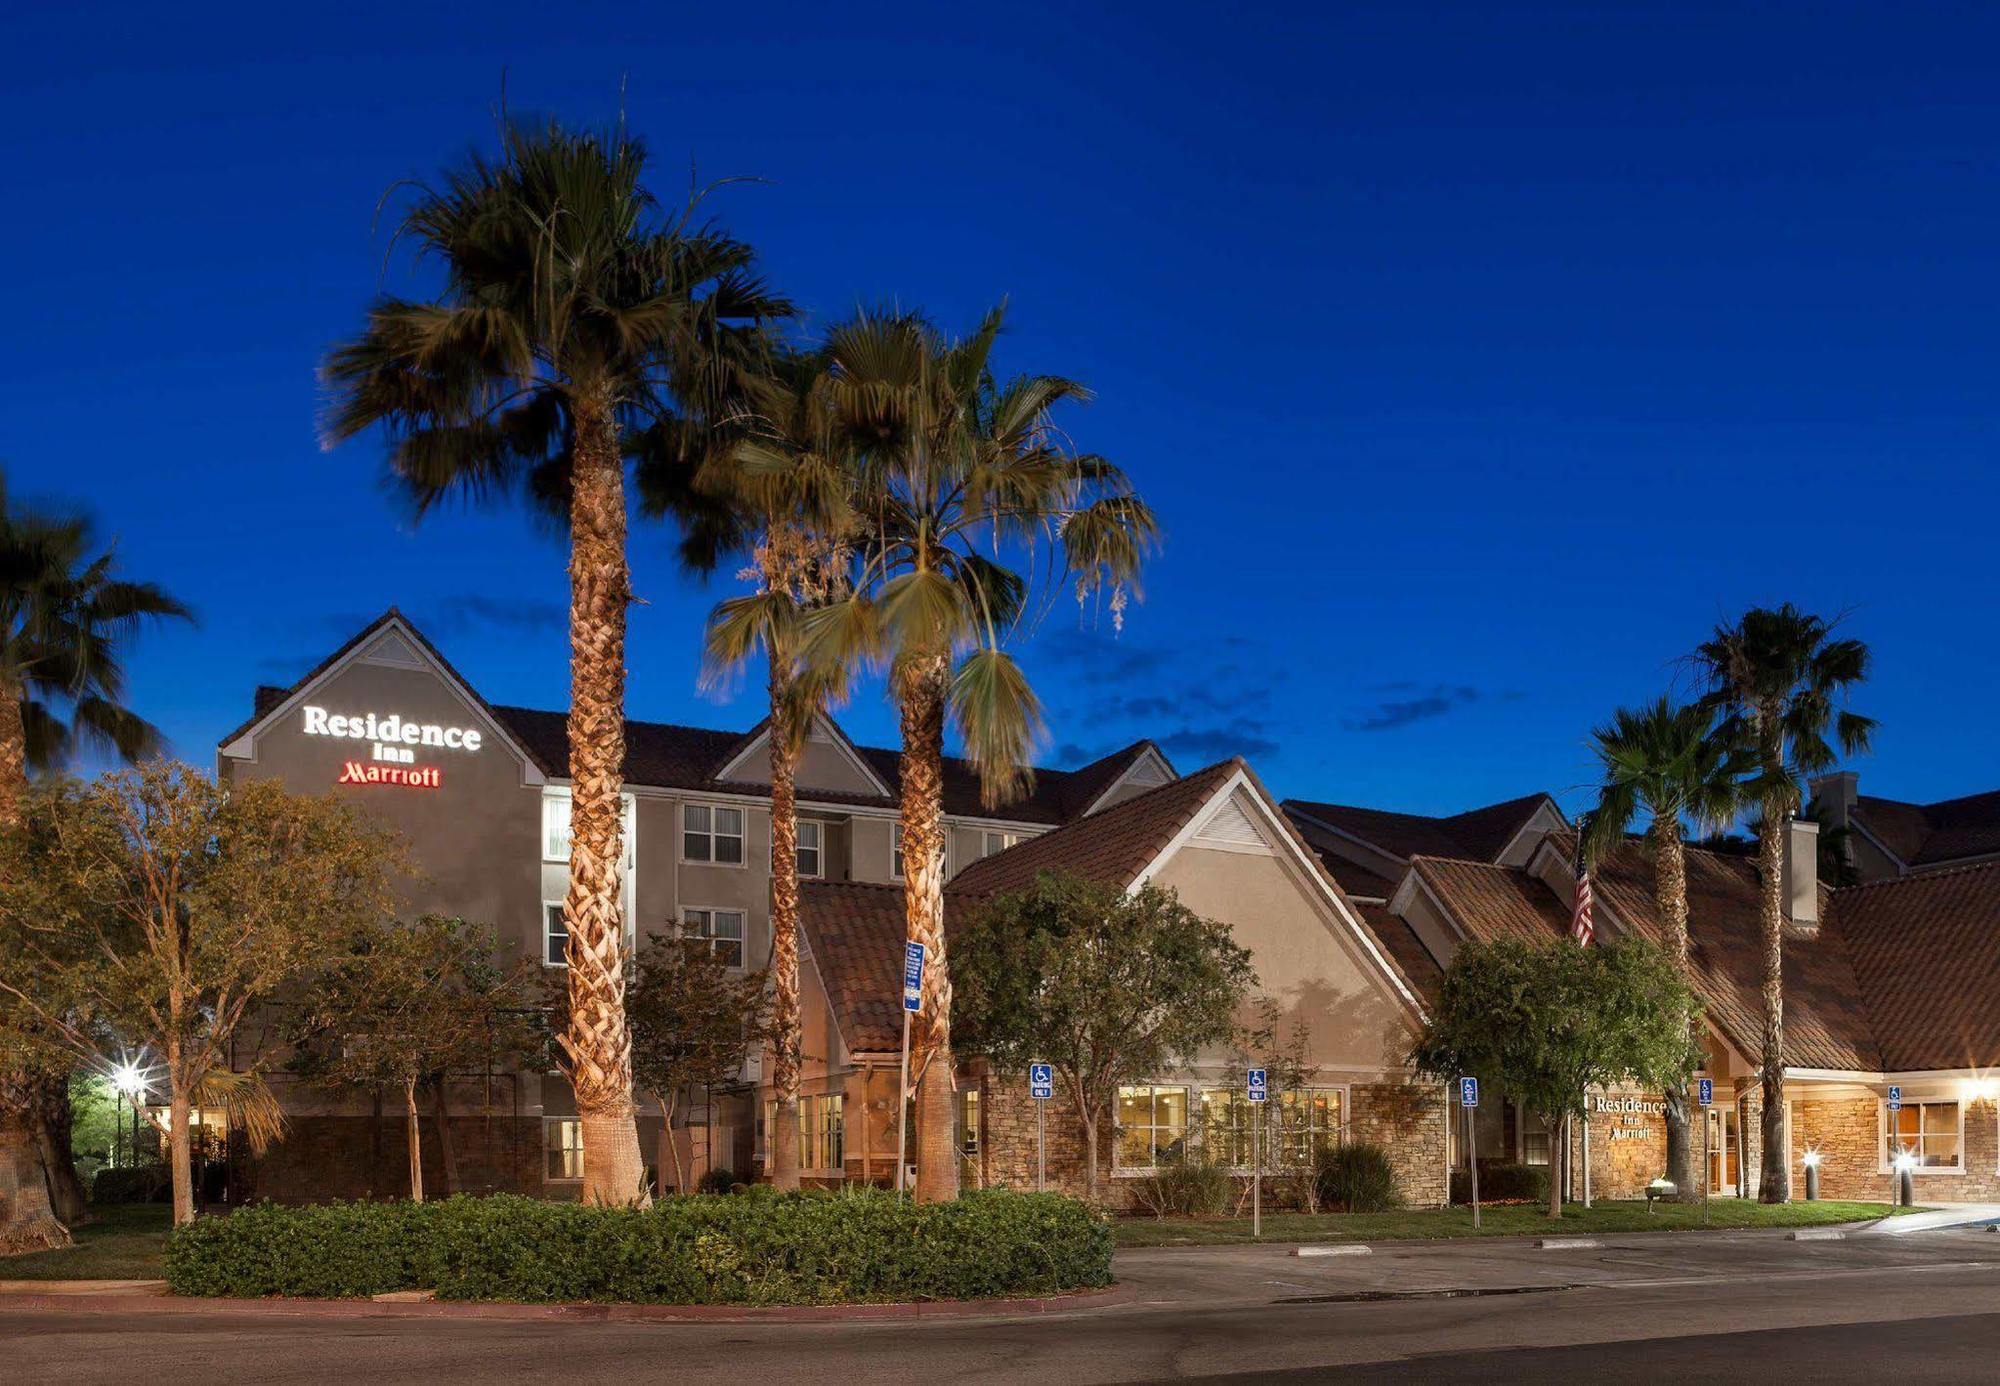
(722, 928)
(811, 836)
(711, 833)
(555, 935)
(992, 842)
(895, 849)
(555, 827)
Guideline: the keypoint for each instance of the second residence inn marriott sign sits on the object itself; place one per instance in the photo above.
(393, 744)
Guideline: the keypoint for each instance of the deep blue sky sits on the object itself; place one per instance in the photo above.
(1479, 358)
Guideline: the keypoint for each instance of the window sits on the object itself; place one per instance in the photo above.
(896, 849)
(1226, 1117)
(722, 928)
(809, 847)
(991, 843)
(968, 1122)
(1534, 1140)
(555, 935)
(1931, 1131)
(555, 827)
(1308, 1122)
(1152, 1126)
(711, 833)
(822, 1134)
(562, 1148)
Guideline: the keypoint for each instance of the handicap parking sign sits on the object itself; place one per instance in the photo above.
(1041, 1081)
(1895, 1097)
(1706, 1089)
(1258, 1090)
(1468, 1092)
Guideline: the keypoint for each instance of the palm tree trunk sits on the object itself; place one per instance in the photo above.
(784, 935)
(13, 754)
(598, 1042)
(1773, 1184)
(922, 685)
(1670, 898)
(414, 1140)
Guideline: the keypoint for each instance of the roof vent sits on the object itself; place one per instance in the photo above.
(1230, 826)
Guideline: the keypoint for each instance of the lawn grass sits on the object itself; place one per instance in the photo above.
(123, 1241)
(1511, 1220)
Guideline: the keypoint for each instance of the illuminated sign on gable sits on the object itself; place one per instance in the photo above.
(390, 730)
(411, 777)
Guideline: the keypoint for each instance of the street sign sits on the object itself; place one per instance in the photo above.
(1258, 1090)
(1895, 1097)
(1705, 1091)
(1468, 1092)
(1041, 1081)
(913, 976)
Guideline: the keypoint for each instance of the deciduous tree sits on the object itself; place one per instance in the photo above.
(1107, 986)
(1545, 1023)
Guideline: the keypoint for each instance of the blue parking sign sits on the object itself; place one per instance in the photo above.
(1468, 1092)
(1895, 1097)
(913, 976)
(1041, 1081)
(1705, 1090)
(1258, 1090)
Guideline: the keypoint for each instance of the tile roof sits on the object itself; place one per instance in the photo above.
(1476, 835)
(1827, 1025)
(1926, 953)
(1404, 948)
(1932, 834)
(854, 932)
(1113, 845)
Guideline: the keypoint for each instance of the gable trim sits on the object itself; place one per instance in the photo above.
(242, 746)
(1320, 885)
(1153, 754)
(834, 736)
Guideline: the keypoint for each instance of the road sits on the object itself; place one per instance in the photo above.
(1692, 1309)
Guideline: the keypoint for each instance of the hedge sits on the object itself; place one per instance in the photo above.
(760, 1248)
(1501, 1181)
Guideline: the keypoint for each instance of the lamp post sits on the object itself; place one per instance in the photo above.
(130, 1081)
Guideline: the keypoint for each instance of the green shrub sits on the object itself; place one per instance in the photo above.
(1357, 1178)
(762, 1248)
(719, 1181)
(1502, 1181)
(1185, 1188)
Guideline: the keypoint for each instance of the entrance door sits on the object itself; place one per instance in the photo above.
(1722, 1151)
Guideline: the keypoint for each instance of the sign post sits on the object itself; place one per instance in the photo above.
(1041, 1087)
(1258, 1092)
(1468, 1100)
(913, 1001)
(1705, 1094)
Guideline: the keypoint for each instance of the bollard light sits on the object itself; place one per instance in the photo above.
(1811, 1160)
(1906, 1183)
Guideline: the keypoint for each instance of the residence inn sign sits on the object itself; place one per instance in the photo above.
(393, 744)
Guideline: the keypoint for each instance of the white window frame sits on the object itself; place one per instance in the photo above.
(548, 934)
(550, 1124)
(1920, 1169)
(987, 845)
(818, 849)
(1273, 1121)
(742, 939)
(561, 794)
(714, 835)
(896, 849)
(1189, 1096)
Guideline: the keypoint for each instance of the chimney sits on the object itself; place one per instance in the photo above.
(1833, 797)
(1802, 874)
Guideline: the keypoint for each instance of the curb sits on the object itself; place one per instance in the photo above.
(129, 1303)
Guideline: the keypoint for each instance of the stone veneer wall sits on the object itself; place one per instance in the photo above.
(1847, 1133)
(1408, 1121)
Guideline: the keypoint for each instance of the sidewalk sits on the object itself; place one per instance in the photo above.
(1932, 1219)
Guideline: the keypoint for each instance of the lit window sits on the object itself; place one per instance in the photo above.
(1928, 1130)
(555, 935)
(968, 1122)
(722, 928)
(896, 850)
(822, 1138)
(712, 834)
(1308, 1122)
(809, 847)
(1226, 1117)
(555, 827)
(1152, 1126)
(1534, 1140)
(562, 1148)
(991, 843)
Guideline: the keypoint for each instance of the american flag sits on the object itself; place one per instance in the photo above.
(1581, 927)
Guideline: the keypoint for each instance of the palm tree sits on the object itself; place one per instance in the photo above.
(1664, 761)
(1775, 676)
(575, 325)
(64, 615)
(958, 473)
(791, 477)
